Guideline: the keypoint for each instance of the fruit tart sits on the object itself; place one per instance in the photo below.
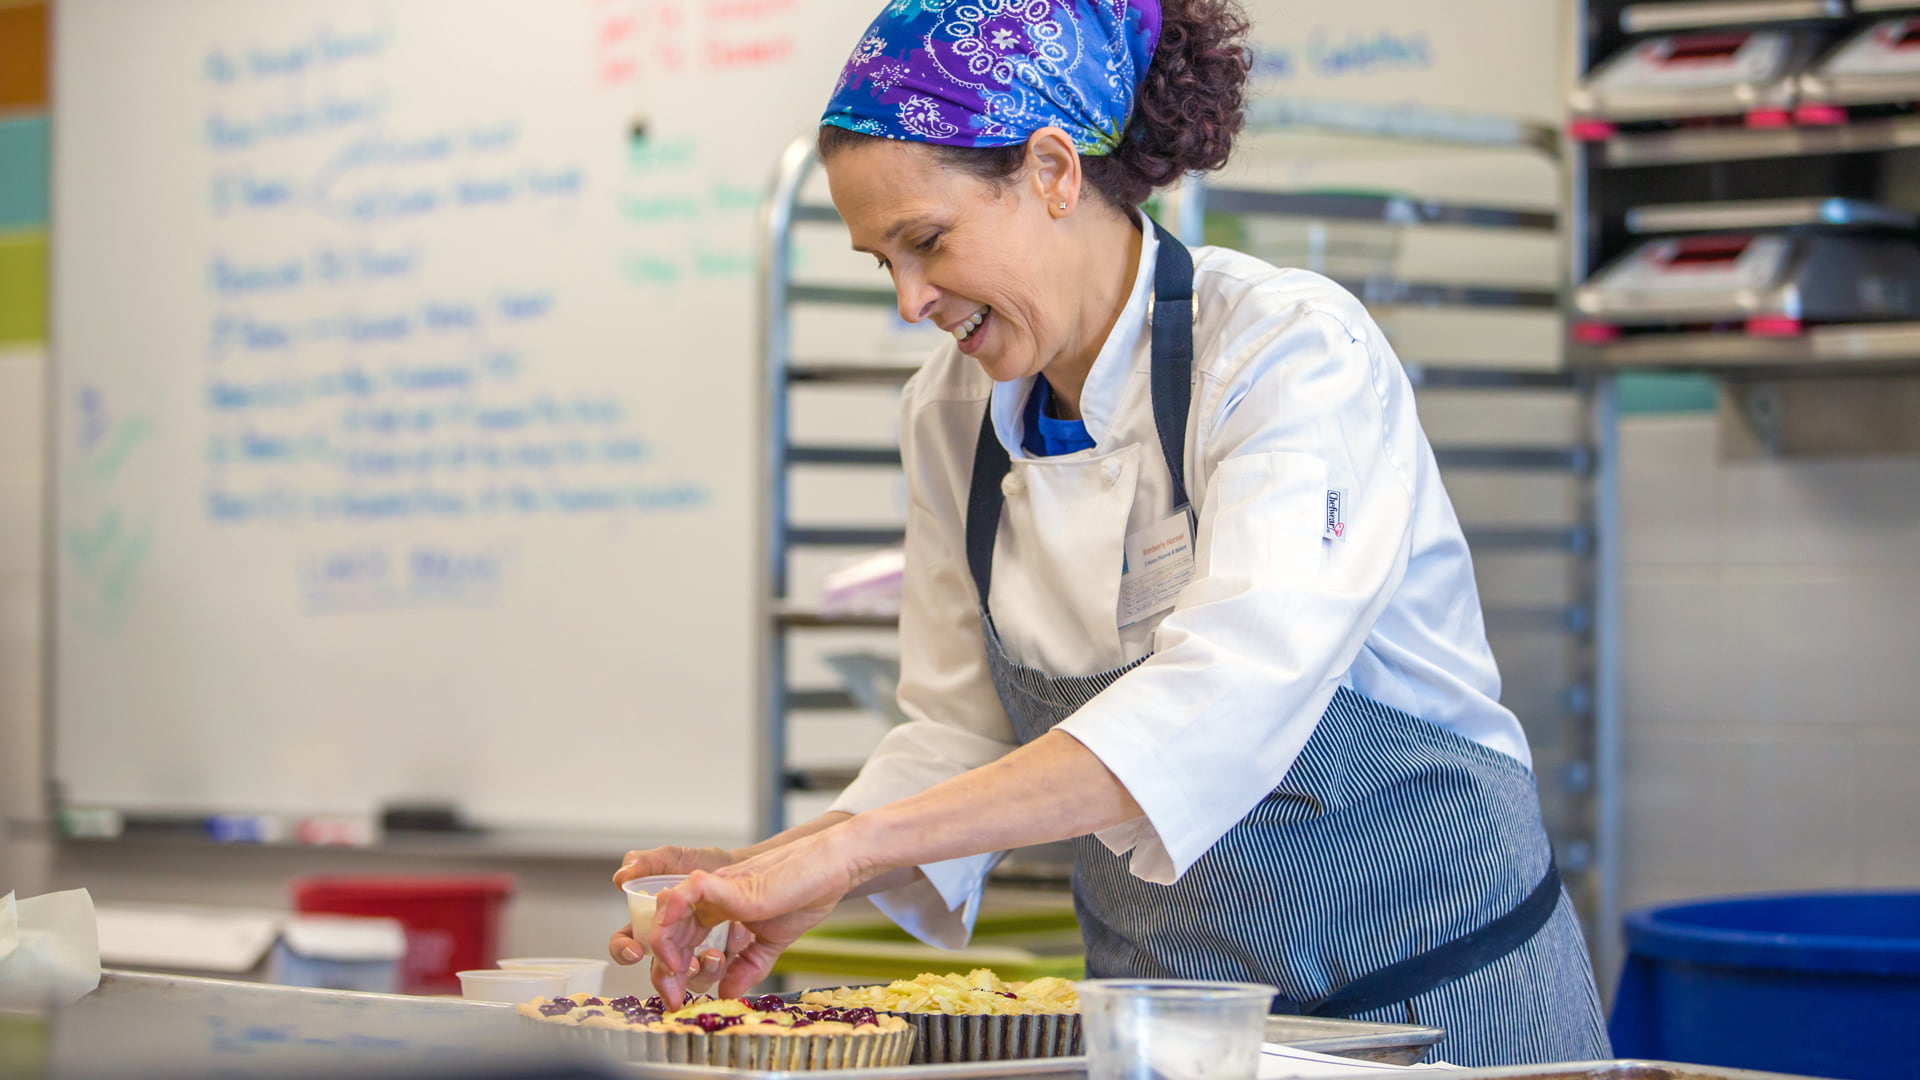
(743, 1033)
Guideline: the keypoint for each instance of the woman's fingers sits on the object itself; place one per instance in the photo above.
(738, 938)
(639, 864)
(749, 968)
(709, 964)
(623, 948)
(670, 860)
(676, 934)
(777, 896)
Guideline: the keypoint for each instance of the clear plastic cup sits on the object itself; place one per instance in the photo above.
(640, 901)
(1173, 1029)
(584, 975)
(512, 987)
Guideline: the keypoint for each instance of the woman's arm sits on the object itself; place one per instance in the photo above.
(681, 860)
(1050, 789)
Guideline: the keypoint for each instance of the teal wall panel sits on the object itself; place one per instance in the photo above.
(23, 173)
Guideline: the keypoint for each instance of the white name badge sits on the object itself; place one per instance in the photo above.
(1159, 563)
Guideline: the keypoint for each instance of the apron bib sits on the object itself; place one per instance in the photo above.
(1399, 871)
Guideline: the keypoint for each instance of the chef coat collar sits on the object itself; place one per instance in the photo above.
(1106, 380)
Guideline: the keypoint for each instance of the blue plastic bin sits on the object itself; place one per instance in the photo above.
(1821, 984)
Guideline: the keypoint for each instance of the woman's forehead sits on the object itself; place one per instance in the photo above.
(878, 188)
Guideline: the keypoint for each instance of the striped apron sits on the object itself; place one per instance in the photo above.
(1399, 872)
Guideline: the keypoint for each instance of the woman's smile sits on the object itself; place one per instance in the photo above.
(971, 332)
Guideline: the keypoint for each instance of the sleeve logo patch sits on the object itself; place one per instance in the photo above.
(1336, 515)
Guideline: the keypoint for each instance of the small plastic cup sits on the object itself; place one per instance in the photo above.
(640, 901)
(584, 975)
(1173, 1029)
(512, 987)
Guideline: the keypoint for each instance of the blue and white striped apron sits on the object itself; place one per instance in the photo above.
(1399, 871)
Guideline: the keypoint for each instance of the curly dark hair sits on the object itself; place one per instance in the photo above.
(1190, 106)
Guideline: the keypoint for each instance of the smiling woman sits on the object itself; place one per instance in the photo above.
(1182, 583)
(991, 164)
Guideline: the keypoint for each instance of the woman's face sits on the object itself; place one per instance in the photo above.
(960, 249)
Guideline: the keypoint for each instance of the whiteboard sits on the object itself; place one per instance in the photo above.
(405, 411)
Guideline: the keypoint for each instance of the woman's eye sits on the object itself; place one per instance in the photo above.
(880, 262)
(928, 244)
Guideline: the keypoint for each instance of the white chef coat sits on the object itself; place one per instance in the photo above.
(1296, 393)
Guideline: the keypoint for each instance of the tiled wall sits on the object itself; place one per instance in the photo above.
(1771, 658)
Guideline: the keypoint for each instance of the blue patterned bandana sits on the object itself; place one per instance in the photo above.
(993, 72)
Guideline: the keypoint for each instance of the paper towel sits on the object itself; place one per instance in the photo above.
(49, 950)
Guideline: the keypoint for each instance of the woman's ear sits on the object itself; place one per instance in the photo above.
(1053, 171)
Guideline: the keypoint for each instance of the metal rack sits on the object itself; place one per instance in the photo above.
(1868, 158)
(1584, 835)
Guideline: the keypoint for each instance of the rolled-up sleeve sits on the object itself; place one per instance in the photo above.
(955, 719)
(1258, 643)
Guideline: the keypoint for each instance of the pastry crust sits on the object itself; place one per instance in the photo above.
(727, 1016)
(979, 992)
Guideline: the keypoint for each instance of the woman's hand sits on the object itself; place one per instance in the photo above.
(673, 860)
(623, 947)
(774, 897)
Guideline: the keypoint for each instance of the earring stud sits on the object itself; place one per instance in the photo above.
(1063, 206)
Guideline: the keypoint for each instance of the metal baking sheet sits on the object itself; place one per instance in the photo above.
(1390, 1044)
(1622, 1069)
(1765, 214)
(1385, 1044)
(1065, 1067)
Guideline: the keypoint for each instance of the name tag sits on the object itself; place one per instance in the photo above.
(1159, 563)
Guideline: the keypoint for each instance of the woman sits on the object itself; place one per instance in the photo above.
(1182, 580)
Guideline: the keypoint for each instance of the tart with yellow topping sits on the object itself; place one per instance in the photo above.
(973, 1017)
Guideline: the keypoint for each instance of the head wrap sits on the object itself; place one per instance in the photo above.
(993, 72)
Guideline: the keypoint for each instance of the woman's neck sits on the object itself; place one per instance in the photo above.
(1110, 261)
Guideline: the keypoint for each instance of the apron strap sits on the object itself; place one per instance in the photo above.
(984, 501)
(1172, 384)
(1172, 369)
(1439, 966)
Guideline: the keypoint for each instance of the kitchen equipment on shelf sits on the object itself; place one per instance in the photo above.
(1772, 284)
(1878, 66)
(1744, 75)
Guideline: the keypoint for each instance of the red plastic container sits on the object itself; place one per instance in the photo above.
(452, 922)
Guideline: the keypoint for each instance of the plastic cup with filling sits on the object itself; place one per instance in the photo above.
(1173, 1029)
(512, 987)
(640, 905)
(584, 975)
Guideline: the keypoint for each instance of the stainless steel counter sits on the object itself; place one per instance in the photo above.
(160, 1025)
(166, 1026)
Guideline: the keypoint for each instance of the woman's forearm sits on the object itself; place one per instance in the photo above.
(1053, 788)
(806, 828)
(892, 879)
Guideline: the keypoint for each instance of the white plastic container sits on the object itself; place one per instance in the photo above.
(339, 952)
(511, 987)
(584, 975)
(640, 903)
(1173, 1029)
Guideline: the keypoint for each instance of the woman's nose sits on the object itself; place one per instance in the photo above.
(916, 297)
